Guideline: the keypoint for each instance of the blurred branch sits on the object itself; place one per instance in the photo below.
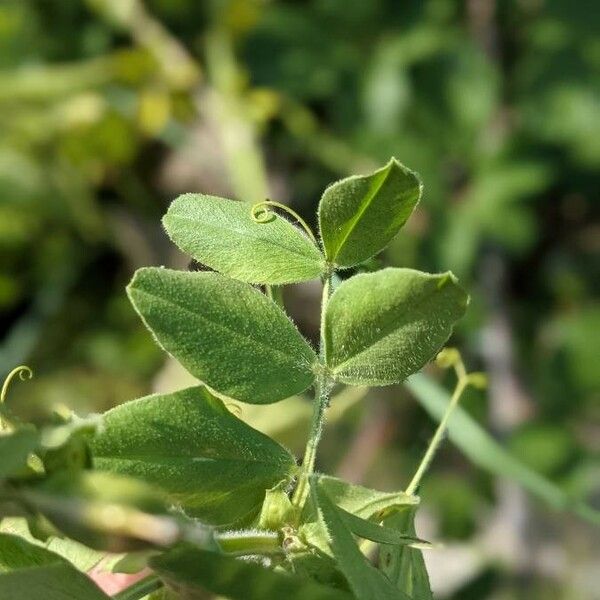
(178, 66)
(50, 81)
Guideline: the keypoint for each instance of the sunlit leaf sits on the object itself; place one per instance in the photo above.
(225, 333)
(359, 215)
(382, 327)
(223, 235)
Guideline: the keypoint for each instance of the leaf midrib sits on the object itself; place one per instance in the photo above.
(219, 229)
(223, 325)
(365, 204)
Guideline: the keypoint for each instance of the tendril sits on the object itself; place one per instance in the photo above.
(261, 214)
(23, 371)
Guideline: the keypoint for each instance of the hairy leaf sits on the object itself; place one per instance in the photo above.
(404, 565)
(31, 572)
(223, 235)
(377, 533)
(189, 444)
(198, 570)
(382, 327)
(225, 333)
(366, 582)
(359, 215)
(361, 501)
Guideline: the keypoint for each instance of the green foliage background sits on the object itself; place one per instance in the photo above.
(110, 108)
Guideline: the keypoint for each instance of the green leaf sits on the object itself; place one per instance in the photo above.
(361, 501)
(225, 333)
(277, 509)
(485, 452)
(209, 461)
(366, 582)
(198, 571)
(31, 572)
(223, 235)
(15, 448)
(404, 565)
(377, 533)
(382, 327)
(359, 215)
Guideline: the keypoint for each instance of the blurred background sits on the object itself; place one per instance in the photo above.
(111, 108)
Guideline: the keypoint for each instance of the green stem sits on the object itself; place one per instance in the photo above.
(322, 389)
(439, 433)
(249, 543)
(323, 386)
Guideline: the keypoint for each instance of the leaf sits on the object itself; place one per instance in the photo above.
(359, 215)
(225, 333)
(29, 571)
(199, 570)
(366, 582)
(222, 235)
(376, 533)
(405, 565)
(485, 452)
(361, 501)
(189, 444)
(15, 448)
(382, 327)
(277, 509)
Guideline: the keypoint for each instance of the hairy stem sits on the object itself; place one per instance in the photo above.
(247, 543)
(322, 389)
(323, 386)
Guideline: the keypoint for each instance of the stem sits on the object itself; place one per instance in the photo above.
(323, 387)
(439, 433)
(249, 543)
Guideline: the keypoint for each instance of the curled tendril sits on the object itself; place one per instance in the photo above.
(261, 214)
(23, 371)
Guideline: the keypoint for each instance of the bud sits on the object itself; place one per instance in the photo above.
(447, 357)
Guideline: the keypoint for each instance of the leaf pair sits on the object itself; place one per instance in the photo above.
(358, 217)
(379, 329)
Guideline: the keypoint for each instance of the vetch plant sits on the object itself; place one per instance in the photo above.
(179, 483)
